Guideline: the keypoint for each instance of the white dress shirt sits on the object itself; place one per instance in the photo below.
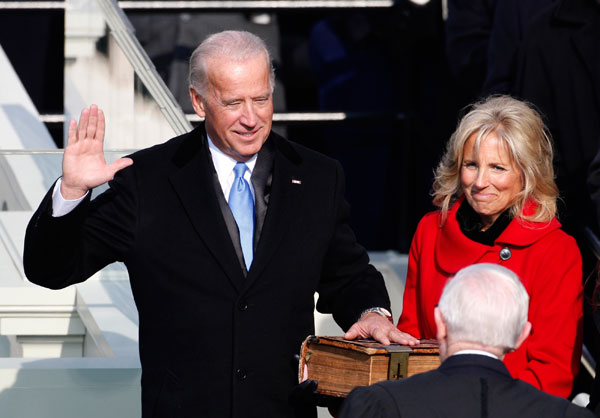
(224, 166)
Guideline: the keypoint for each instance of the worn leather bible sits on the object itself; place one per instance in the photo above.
(341, 365)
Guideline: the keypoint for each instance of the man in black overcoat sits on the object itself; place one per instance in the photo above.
(482, 314)
(223, 305)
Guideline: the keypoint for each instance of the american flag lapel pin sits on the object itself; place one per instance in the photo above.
(296, 181)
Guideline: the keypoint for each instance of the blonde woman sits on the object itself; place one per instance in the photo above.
(497, 198)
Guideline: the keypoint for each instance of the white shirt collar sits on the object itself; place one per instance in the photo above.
(479, 352)
(224, 166)
(223, 162)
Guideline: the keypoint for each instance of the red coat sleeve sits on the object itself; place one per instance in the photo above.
(409, 319)
(549, 358)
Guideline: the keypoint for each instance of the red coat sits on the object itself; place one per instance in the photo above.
(549, 264)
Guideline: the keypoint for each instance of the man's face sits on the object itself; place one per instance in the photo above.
(238, 107)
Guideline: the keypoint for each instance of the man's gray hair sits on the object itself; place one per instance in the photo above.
(485, 304)
(234, 45)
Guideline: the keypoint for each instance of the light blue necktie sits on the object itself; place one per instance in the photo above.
(241, 204)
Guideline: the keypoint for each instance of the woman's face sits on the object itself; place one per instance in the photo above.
(489, 178)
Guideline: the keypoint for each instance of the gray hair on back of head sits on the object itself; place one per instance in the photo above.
(485, 304)
(237, 46)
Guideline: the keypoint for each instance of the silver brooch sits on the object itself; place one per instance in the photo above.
(505, 253)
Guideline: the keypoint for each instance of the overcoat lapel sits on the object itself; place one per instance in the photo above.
(193, 183)
(262, 180)
(284, 205)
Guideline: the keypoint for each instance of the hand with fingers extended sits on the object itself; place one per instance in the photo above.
(372, 325)
(84, 166)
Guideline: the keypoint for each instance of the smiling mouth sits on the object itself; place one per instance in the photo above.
(482, 195)
(247, 134)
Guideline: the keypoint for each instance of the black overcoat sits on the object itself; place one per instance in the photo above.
(464, 386)
(559, 67)
(215, 341)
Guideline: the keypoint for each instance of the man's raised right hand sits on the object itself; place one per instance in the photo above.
(84, 166)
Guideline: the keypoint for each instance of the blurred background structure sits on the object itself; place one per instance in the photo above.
(377, 84)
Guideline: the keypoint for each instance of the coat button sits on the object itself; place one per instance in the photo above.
(505, 254)
(241, 374)
(243, 305)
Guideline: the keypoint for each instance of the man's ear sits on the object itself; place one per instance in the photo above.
(197, 102)
(441, 333)
(524, 334)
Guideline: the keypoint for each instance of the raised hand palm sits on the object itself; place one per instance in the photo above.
(84, 166)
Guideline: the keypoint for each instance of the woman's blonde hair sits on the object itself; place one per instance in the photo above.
(521, 129)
